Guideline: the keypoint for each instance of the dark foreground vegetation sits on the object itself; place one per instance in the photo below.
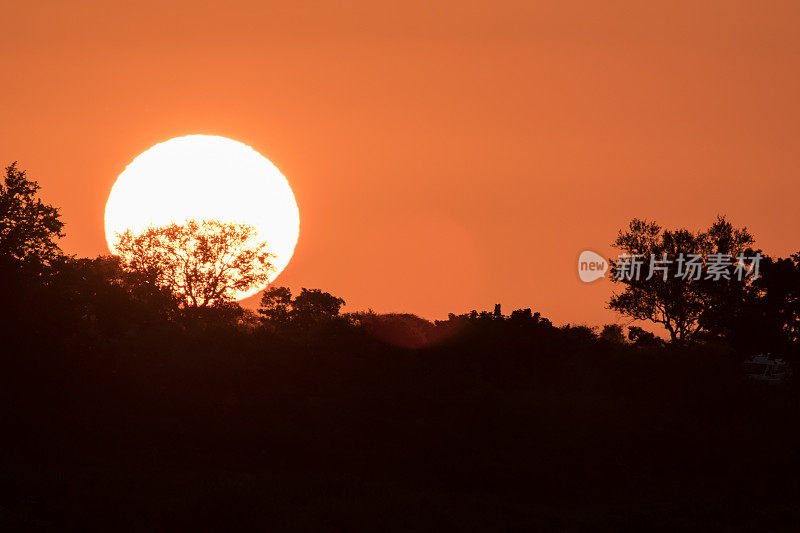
(502, 426)
(124, 409)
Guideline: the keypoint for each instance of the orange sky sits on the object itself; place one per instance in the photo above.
(443, 158)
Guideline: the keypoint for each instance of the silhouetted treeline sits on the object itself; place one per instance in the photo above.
(498, 424)
(121, 411)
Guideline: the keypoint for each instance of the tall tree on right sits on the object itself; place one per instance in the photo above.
(676, 279)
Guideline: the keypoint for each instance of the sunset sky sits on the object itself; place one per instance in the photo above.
(443, 156)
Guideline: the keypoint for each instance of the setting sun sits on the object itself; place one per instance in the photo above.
(206, 177)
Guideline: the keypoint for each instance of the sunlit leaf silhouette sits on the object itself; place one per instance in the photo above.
(204, 263)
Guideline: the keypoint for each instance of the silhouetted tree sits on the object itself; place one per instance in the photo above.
(522, 314)
(641, 337)
(582, 332)
(673, 296)
(731, 304)
(780, 289)
(99, 296)
(28, 227)
(612, 333)
(498, 313)
(766, 315)
(276, 305)
(203, 263)
(310, 306)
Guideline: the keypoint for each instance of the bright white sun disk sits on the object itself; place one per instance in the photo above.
(206, 177)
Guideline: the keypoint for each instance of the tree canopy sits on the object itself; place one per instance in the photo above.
(28, 227)
(310, 306)
(683, 301)
(204, 263)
